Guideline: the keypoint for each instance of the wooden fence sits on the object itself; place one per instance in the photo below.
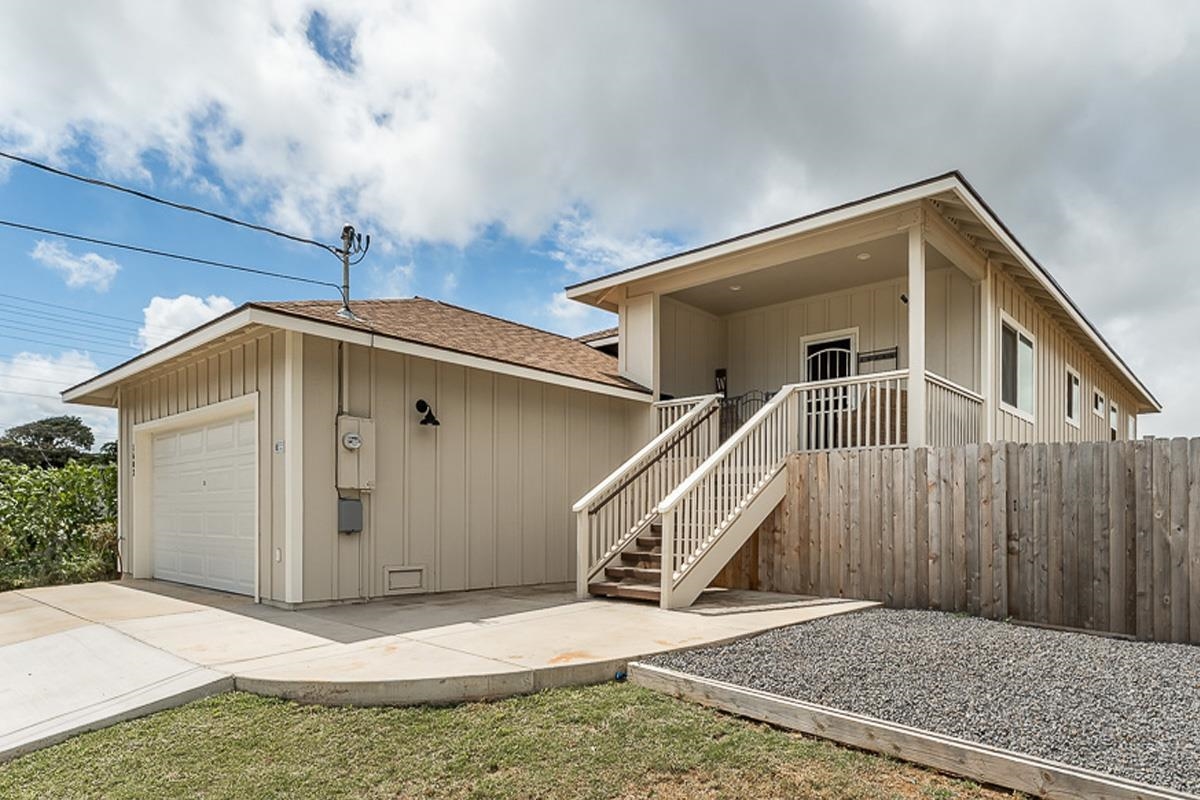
(1102, 536)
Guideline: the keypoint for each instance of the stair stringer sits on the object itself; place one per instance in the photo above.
(714, 558)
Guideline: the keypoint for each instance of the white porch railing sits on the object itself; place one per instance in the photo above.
(625, 502)
(860, 411)
(954, 414)
(668, 412)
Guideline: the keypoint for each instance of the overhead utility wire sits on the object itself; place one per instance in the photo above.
(31, 394)
(77, 310)
(162, 201)
(62, 333)
(165, 254)
(78, 347)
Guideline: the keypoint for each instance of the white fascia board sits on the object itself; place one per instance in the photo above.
(802, 226)
(997, 230)
(176, 347)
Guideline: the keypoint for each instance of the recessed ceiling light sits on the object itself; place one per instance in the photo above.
(735, 288)
(863, 256)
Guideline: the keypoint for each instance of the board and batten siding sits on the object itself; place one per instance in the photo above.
(765, 344)
(252, 362)
(1054, 351)
(691, 347)
(482, 500)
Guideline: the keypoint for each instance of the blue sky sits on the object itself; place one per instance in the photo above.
(497, 152)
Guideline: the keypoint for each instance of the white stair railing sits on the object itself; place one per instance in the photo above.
(625, 502)
(706, 513)
(710, 500)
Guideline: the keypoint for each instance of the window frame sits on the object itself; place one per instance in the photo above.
(1114, 421)
(1076, 421)
(1020, 330)
(1103, 398)
(1131, 427)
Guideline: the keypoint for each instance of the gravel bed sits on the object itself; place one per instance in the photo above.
(1125, 708)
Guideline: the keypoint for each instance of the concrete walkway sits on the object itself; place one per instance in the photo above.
(81, 657)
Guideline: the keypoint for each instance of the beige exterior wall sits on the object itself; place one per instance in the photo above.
(483, 500)
(762, 348)
(1054, 351)
(693, 347)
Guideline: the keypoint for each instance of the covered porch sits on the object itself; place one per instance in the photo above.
(880, 328)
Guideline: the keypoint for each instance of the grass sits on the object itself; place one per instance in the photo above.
(610, 741)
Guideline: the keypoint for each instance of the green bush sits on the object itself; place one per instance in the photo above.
(57, 525)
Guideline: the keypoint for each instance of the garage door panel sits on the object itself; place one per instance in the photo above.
(204, 505)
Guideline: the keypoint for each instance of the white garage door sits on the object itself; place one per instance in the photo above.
(204, 487)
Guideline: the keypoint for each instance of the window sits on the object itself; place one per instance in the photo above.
(1074, 397)
(1114, 419)
(1098, 403)
(1131, 427)
(1016, 368)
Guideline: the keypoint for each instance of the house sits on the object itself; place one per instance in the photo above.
(288, 452)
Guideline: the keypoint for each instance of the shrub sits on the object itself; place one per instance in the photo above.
(57, 525)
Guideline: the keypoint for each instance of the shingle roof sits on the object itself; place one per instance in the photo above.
(449, 327)
(594, 335)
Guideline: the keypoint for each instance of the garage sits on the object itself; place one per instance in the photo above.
(204, 481)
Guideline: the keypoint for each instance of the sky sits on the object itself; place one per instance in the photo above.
(497, 152)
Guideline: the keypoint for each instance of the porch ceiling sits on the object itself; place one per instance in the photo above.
(819, 274)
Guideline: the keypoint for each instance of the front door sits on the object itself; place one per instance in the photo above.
(828, 407)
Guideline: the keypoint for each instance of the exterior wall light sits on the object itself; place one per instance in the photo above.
(429, 418)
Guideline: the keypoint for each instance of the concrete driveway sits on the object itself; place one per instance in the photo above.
(75, 658)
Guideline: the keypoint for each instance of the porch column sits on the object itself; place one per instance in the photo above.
(987, 361)
(916, 334)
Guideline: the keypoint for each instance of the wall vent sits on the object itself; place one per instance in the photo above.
(403, 580)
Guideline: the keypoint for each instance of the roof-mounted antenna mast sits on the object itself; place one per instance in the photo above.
(352, 245)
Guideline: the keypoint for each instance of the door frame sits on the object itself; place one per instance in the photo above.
(142, 478)
(829, 336)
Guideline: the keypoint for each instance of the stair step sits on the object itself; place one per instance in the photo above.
(649, 542)
(651, 575)
(642, 558)
(656, 529)
(627, 590)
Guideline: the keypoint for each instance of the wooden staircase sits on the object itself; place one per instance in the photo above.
(638, 575)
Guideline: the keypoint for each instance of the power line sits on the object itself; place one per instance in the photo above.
(31, 394)
(166, 254)
(18, 378)
(40, 330)
(60, 307)
(67, 346)
(162, 201)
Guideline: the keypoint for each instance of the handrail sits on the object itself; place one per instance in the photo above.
(700, 473)
(954, 387)
(682, 401)
(630, 463)
(679, 438)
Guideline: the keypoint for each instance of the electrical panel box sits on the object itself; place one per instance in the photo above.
(355, 453)
(350, 515)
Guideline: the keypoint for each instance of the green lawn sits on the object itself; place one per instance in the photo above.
(604, 741)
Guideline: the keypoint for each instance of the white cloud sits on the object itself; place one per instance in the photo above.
(572, 319)
(395, 281)
(585, 251)
(167, 317)
(30, 384)
(449, 120)
(88, 269)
